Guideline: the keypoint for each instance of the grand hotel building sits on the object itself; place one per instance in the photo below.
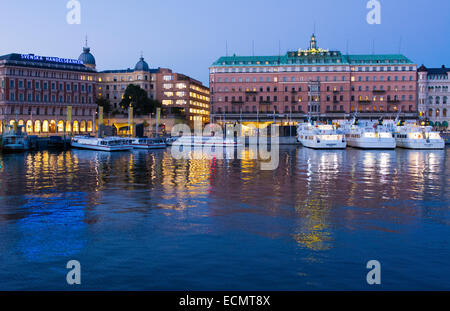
(317, 82)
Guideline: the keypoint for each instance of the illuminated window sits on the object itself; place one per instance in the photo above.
(45, 126)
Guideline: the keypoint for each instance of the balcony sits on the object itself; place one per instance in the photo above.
(237, 102)
(265, 103)
(393, 101)
(251, 92)
(379, 91)
(364, 101)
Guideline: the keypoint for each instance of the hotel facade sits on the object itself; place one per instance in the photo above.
(434, 95)
(316, 82)
(47, 94)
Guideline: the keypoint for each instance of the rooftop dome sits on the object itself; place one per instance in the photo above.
(141, 65)
(87, 58)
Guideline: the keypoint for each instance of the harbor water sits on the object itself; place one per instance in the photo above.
(145, 221)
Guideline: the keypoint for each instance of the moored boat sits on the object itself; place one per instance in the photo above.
(369, 135)
(148, 143)
(15, 139)
(108, 144)
(212, 141)
(321, 136)
(413, 136)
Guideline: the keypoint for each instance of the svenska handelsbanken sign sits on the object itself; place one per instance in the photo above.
(51, 59)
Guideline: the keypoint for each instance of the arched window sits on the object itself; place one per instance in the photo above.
(37, 126)
(444, 112)
(438, 112)
(45, 126)
(438, 100)
(52, 126)
(61, 127)
(430, 112)
(75, 126)
(89, 126)
(83, 126)
(444, 100)
(29, 126)
(68, 127)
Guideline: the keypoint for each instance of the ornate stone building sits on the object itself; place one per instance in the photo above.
(39, 92)
(434, 95)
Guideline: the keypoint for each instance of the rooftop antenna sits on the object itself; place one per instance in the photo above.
(373, 46)
(253, 48)
(347, 47)
(86, 42)
(226, 48)
(400, 46)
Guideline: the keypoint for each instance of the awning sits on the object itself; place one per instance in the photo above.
(445, 124)
(437, 124)
(431, 123)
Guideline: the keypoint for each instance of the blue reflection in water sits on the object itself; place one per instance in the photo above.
(144, 220)
(54, 226)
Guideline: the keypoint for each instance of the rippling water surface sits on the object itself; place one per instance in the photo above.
(145, 221)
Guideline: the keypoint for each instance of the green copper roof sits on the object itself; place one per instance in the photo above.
(304, 58)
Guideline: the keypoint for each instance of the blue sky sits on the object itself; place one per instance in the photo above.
(188, 36)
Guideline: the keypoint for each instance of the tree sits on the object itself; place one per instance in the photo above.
(138, 98)
(105, 103)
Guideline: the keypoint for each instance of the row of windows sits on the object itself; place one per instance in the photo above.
(319, 79)
(328, 98)
(48, 74)
(317, 89)
(127, 78)
(20, 110)
(299, 109)
(124, 86)
(45, 98)
(45, 85)
(311, 69)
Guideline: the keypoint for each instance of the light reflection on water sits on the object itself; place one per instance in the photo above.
(223, 223)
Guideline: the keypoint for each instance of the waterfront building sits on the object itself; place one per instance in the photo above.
(178, 93)
(434, 94)
(185, 95)
(48, 94)
(111, 84)
(318, 82)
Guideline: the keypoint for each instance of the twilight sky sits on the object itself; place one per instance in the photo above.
(188, 36)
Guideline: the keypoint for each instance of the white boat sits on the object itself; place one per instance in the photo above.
(148, 143)
(413, 136)
(15, 139)
(320, 136)
(100, 144)
(369, 135)
(206, 141)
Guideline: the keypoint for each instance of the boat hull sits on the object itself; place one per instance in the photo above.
(324, 144)
(421, 144)
(367, 143)
(100, 148)
(149, 147)
(12, 148)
